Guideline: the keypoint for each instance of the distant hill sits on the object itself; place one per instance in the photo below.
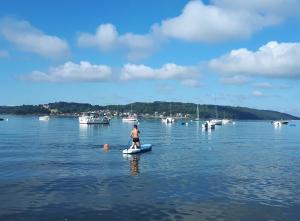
(205, 111)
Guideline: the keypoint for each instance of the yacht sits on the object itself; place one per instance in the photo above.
(130, 118)
(217, 121)
(93, 118)
(44, 118)
(226, 121)
(279, 123)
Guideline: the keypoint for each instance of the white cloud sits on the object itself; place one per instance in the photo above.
(225, 20)
(30, 39)
(257, 94)
(4, 54)
(72, 72)
(272, 60)
(236, 79)
(280, 8)
(107, 39)
(186, 75)
(219, 20)
(263, 85)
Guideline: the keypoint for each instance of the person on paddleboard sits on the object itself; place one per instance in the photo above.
(135, 136)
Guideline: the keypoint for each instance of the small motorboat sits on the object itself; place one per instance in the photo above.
(44, 118)
(130, 118)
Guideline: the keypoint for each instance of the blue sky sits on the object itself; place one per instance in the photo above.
(243, 53)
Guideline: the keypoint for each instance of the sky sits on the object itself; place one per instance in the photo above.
(226, 52)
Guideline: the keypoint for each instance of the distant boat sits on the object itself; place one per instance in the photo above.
(44, 118)
(197, 112)
(208, 125)
(278, 123)
(1, 119)
(170, 119)
(93, 118)
(130, 118)
(216, 121)
(226, 121)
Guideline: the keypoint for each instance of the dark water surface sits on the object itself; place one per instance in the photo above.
(57, 170)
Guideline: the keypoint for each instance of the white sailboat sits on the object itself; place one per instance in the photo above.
(226, 120)
(168, 120)
(197, 112)
(130, 118)
(216, 121)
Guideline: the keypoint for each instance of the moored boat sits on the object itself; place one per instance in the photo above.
(130, 119)
(168, 120)
(93, 118)
(44, 118)
(208, 125)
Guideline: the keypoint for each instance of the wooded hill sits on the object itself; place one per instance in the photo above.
(205, 111)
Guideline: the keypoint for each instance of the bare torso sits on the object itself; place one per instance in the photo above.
(135, 133)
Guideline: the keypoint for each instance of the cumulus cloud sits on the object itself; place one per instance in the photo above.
(224, 19)
(186, 75)
(72, 72)
(271, 60)
(28, 38)
(216, 21)
(107, 39)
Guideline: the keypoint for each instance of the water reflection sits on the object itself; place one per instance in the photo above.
(134, 163)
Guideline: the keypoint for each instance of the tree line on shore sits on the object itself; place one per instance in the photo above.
(158, 107)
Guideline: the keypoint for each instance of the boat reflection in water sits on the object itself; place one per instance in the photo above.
(134, 163)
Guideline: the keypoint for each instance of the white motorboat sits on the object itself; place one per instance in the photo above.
(208, 125)
(130, 119)
(44, 118)
(216, 122)
(93, 118)
(226, 121)
(168, 120)
(279, 123)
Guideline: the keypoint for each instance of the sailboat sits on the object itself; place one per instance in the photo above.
(226, 120)
(130, 118)
(197, 118)
(168, 120)
(216, 121)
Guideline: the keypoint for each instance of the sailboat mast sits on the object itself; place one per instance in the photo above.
(216, 107)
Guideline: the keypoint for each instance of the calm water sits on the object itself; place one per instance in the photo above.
(57, 170)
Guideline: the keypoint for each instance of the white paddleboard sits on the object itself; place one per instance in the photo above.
(143, 148)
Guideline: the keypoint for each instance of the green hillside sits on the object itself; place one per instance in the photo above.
(205, 111)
